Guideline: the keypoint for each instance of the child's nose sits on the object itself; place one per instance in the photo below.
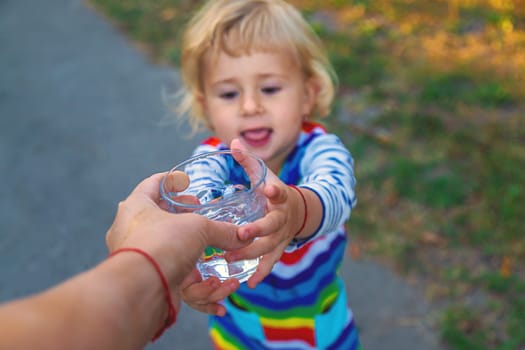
(251, 104)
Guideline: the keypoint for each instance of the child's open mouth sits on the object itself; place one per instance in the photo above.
(257, 137)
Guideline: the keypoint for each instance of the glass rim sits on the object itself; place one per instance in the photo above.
(165, 195)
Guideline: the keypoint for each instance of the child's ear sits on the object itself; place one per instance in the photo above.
(311, 91)
(201, 100)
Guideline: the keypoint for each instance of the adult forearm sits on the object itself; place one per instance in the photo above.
(117, 305)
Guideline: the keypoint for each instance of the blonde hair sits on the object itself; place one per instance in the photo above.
(239, 27)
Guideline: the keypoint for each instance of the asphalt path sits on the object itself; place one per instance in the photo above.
(82, 121)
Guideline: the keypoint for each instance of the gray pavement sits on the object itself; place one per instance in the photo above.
(80, 124)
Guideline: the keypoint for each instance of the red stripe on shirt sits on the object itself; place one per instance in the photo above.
(212, 141)
(308, 127)
(295, 256)
(305, 334)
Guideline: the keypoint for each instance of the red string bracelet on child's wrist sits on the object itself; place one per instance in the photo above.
(305, 209)
(172, 314)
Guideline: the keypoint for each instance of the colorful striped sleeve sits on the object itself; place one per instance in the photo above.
(327, 169)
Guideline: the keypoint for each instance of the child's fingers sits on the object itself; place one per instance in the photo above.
(275, 193)
(266, 264)
(192, 278)
(251, 165)
(199, 291)
(209, 291)
(267, 225)
(215, 309)
(259, 247)
(204, 296)
(210, 309)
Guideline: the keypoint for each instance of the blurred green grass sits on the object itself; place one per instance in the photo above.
(431, 104)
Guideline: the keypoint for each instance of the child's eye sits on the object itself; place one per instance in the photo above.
(228, 95)
(271, 89)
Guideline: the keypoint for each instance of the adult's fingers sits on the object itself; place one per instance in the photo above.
(176, 181)
(150, 187)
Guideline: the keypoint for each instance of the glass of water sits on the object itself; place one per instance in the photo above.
(217, 186)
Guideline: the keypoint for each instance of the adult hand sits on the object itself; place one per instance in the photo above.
(175, 240)
(122, 299)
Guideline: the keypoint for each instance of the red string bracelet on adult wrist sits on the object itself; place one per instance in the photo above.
(305, 209)
(172, 314)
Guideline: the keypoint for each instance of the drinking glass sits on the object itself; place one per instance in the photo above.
(218, 187)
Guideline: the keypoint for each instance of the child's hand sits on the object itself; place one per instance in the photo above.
(204, 296)
(284, 218)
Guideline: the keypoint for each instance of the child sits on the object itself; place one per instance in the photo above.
(255, 74)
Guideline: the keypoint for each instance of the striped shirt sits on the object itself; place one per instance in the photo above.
(301, 304)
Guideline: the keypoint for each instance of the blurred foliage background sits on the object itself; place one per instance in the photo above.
(431, 104)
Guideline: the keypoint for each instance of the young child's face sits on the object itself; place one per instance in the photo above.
(261, 98)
